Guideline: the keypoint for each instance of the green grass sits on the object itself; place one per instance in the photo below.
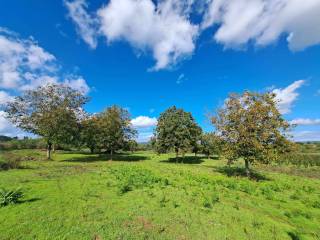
(146, 196)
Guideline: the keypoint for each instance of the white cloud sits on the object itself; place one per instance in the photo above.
(18, 57)
(5, 97)
(287, 96)
(143, 122)
(165, 28)
(77, 83)
(85, 24)
(263, 22)
(25, 65)
(305, 121)
(303, 136)
(162, 28)
(7, 129)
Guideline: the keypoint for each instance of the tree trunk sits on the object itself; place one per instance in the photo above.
(183, 154)
(91, 150)
(49, 147)
(111, 155)
(177, 154)
(247, 167)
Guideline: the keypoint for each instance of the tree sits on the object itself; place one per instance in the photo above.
(211, 144)
(51, 111)
(115, 129)
(252, 128)
(176, 130)
(90, 133)
(131, 145)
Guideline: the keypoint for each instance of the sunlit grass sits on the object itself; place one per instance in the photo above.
(149, 196)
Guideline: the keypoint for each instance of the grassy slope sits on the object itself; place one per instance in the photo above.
(80, 196)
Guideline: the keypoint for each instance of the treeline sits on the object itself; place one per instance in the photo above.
(248, 126)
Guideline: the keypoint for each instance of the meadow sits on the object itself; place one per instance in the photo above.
(143, 195)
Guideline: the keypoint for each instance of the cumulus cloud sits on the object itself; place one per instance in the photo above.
(285, 97)
(7, 129)
(78, 83)
(305, 121)
(166, 29)
(20, 57)
(85, 24)
(162, 28)
(24, 65)
(144, 122)
(263, 22)
(5, 97)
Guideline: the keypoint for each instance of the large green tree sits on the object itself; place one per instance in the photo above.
(115, 129)
(252, 128)
(176, 130)
(52, 111)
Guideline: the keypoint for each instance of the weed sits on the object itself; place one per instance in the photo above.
(10, 196)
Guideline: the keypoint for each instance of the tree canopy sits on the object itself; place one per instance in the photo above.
(176, 130)
(51, 111)
(115, 129)
(252, 128)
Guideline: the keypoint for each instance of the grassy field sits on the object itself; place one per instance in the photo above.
(146, 196)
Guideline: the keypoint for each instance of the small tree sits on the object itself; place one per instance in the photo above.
(51, 111)
(252, 128)
(211, 144)
(115, 129)
(176, 130)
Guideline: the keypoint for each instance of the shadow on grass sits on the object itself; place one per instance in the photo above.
(240, 172)
(106, 157)
(185, 160)
(29, 200)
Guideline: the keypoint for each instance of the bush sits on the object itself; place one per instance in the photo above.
(26, 143)
(301, 160)
(10, 161)
(10, 196)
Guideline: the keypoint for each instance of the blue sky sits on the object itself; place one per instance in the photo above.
(149, 55)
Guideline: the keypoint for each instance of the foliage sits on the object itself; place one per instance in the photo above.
(131, 146)
(211, 144)
(10, 196)
(25, 143)
(252, 128)
(115, 129)
(6, 138)
(51, 111)
(90, 133)
(176, 130)
(300, 159)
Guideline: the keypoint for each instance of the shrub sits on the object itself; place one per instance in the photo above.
(301, 160)
(10, 161)
(10, 196)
